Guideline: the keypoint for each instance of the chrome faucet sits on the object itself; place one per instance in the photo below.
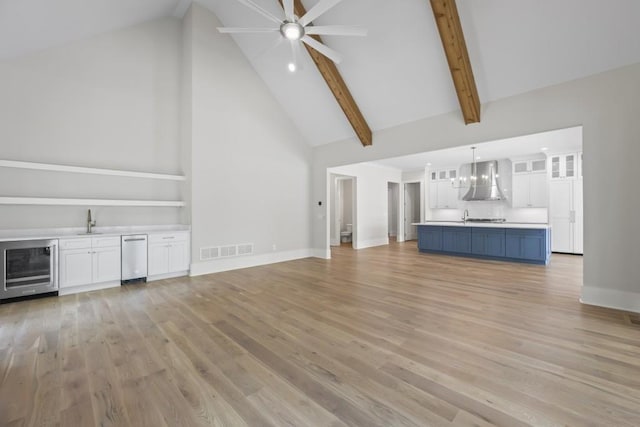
(465, 215)
(90, 223)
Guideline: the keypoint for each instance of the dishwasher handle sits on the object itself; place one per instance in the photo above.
(139, 239)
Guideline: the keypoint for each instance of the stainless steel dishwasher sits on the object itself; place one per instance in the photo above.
(134, 258)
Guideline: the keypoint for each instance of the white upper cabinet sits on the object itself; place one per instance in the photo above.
(529, 166)
(529, 182)
(443, 191)
(564, 165)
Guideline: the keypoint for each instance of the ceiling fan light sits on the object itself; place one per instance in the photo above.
(292, 30)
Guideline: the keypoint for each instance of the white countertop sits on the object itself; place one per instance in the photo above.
(61, 233)
(535, 226)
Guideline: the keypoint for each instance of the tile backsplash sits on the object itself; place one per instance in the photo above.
(490, 210)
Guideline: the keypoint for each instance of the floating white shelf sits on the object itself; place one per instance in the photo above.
(87, 202)
(93, 171)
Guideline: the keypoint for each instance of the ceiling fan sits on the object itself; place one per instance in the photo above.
(299, 29)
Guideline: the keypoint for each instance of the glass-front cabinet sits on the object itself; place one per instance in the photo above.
(564, 166)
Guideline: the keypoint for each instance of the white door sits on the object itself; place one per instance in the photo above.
(158, 259)
(410, 232)
(178, 257)
(75, 267)
(561, 195)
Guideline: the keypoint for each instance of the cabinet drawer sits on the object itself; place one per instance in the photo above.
(105, 242)
(80, 243)
(168, 237)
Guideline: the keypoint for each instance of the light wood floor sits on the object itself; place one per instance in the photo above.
(377, 337)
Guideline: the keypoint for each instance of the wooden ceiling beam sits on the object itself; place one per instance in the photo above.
(338, 87)
(455, 49)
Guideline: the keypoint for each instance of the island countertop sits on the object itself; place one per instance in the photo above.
(532, 225)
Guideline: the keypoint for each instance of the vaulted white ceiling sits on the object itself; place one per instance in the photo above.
(398, 73)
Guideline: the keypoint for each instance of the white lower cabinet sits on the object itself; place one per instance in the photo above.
(90, 260)
(168, 253)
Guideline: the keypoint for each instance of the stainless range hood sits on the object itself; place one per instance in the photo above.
(484, 182)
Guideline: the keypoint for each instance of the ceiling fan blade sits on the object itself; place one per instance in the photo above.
(323, 49)
(288, 10)
(235, 30)
(335, 30)
(274, 45)
(250, 4)
(321, 7)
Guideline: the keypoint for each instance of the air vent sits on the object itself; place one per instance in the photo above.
(228, 250)
(209, 253)
(245, 249)
(214, 252)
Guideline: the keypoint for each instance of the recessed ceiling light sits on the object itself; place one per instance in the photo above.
(428, 164)
(292, 67)
(544, 149)
(478, 157)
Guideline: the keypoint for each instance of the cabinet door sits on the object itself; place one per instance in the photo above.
(489, 242)
(75, 267)
(456, 240)
(445, 199)
(433, 195)
(555, 167)
(430, 238)
(106, 264)
(158, 259)
(520, 167)
(178, 257)
(560, 207)
(513, 246)
(570, 165)
(452, 196)
(538, 194)
(533, 248)
(526, 244)
(520, 192)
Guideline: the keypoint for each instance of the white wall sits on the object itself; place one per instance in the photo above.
(110, 101)
(371, 211)
(605, 104)
(250, 168)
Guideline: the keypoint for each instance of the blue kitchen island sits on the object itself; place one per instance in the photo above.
(517, 242)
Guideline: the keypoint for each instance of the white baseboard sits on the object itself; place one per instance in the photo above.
(167, 276)
(235, 263)
(322, 253)
(362, 244)
(335, 242)
(611, 298)
(88, 288)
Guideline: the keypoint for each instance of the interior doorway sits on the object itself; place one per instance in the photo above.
(412, 202)
(343, 211)
(393, 206)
